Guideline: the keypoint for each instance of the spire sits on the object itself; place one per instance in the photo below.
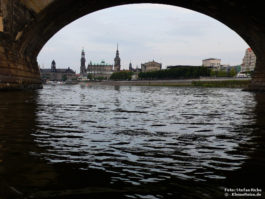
(83, 56)
(83, 53)
(130, 66)
(53, 66)
(117, 51)
(117, 60)
(83, 63)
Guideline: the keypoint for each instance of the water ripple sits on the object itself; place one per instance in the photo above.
(142, 135)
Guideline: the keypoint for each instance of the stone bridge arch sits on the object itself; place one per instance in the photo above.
(26, 25)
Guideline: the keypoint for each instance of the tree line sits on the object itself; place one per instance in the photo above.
(222, 73)
(176, 73)
(181, 72)
(122, 75)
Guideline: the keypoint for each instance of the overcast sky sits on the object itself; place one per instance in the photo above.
(169, 35)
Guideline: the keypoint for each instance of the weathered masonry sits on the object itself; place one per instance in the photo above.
(26, 25)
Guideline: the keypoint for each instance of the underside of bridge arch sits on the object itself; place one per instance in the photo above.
(26, 25)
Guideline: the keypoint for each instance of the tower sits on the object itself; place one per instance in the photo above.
(83, 64)
(53, 66)
(117, 61)
(130, 67)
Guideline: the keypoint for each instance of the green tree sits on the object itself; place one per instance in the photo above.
(89, 76)
(213, 73)
(122, 75)
(222, 73)
(232, 72)
(176, 73)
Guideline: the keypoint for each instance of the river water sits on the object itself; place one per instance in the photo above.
(81, 141)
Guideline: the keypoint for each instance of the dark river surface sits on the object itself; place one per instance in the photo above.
(131, 142)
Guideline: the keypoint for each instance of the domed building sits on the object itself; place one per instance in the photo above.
(54, 74)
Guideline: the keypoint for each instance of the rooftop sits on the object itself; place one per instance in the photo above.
(211, 59)
(59, 70)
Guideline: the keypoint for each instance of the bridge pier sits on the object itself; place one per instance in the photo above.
(257, 83)
(258, 79)
(18, 72)
(18, 67)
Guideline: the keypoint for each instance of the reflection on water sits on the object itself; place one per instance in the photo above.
(130, 142)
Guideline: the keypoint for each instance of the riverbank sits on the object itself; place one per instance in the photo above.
(202, 82)
(223, 83)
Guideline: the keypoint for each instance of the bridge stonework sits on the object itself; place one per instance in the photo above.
(18, 69)
(26, 25)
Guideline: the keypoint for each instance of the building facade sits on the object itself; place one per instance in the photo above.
(249, 61)
(212, 63)
(100, 70)
(54, 74)
(151, 66)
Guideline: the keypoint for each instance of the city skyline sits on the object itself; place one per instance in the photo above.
(179, 36)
